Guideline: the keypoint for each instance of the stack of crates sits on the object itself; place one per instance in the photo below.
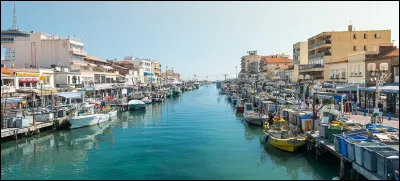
(359, 150)
(387, 164)
(370, 156)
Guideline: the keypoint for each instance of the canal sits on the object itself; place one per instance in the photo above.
(194, 136)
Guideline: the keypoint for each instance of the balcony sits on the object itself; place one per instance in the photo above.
(81, 53)
(317, 77)
(319, 55)
(311, 67)
(323, 42)
(7, 89)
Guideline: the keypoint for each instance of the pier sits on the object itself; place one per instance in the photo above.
(29, 130)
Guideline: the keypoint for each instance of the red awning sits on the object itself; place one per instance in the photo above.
(29, 80)
(34, 80)
(22, 80)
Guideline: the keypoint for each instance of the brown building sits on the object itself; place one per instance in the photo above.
(156, 69)
(387, 54)
(329, 48)
(246, 61)
(271, 66)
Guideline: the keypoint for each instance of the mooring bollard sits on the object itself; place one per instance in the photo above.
(365, 112)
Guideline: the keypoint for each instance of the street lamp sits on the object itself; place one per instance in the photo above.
(379, 76)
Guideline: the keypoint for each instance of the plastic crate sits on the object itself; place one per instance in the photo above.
(359, 150)
(333, 130)
(350, 144)
(340, 143)
(387, 163)
(370, 156)
(323, 130)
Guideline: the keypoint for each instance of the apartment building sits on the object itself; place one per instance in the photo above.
(245, 62)
(329, 50)
(40, 49)
(156, 70)
(300, 57)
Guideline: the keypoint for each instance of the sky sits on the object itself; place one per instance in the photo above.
(197, 37)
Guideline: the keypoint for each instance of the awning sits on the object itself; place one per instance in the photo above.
(12, 100)
(22, 80)
(107, 67)
(45, 92)
(147, 73)
(70, 94)
(94, 65)
(384, 89)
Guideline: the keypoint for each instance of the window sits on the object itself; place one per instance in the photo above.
(365, 36)
(354, 36)
(21, 84)
(68, 80)
(365, 47)
(359, 69)
(377, 35)
(355, 48)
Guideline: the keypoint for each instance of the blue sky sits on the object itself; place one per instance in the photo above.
(203, 38)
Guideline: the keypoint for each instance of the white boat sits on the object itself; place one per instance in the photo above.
(113, 113)
(251, 116)
(136, 104)
(137, 96)
(146, 100)
(87, 117)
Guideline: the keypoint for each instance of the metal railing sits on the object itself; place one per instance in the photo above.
(310, 66)
(319, 43)
(319, 55)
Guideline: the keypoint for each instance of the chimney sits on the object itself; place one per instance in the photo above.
(350, 28)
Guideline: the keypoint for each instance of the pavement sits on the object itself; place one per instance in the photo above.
(363, 120)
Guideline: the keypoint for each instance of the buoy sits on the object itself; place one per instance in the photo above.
(336, 178)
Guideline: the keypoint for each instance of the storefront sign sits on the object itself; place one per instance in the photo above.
(27, 74)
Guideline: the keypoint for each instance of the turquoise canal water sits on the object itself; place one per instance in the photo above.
(194, 136)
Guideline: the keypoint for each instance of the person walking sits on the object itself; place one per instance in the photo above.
(380, 106)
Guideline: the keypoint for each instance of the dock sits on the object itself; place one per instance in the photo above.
(346, 165)
(14, 132)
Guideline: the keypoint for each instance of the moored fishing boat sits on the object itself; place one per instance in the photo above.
(251, 116)
(136, 104)
(86, 117)
(280, 137)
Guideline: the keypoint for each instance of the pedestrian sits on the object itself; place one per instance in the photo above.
(380, 106)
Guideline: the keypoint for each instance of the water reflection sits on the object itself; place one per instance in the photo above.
(252, 132)
(66, 148)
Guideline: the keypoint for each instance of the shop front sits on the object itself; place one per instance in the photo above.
(389, 96)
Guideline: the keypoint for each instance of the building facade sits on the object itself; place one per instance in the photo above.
(329, 48)
(40, 49)
(300, 57)
(245, 62)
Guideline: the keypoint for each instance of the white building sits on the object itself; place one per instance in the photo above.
(40, 49)
(145, 69)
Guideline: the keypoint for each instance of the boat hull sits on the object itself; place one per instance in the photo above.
(88, 120)
(290, 145)
(137, 106)
(240, 109)
(113, 114)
